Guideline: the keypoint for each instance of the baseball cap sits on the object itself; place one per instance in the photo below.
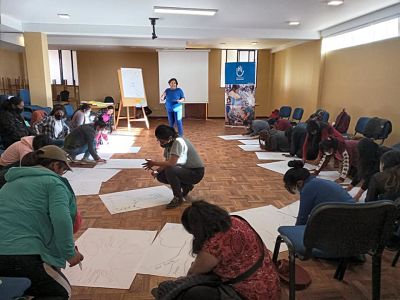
(54, 152)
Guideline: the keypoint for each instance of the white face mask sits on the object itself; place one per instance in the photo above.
(328, 153)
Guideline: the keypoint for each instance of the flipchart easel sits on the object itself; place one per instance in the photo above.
(132, 95)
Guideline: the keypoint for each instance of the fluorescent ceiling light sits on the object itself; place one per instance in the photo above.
(294, 23)
(64, 16)
(185, 11)
(335, 2)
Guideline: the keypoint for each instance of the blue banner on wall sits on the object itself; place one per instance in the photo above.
(240, 73)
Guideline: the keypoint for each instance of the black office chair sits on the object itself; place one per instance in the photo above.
(343, 231)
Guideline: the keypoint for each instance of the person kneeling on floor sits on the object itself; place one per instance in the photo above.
(182, 167)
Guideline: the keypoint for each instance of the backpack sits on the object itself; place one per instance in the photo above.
(378, 128)
(342, 122)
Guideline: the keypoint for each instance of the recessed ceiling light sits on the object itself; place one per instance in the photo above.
(184, 11)
(294, 23)
(335, 2)
(64, 16)
(254, 43)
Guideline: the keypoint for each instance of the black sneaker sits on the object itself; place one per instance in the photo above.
(175, 202)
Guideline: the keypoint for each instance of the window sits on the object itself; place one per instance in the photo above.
(368, 34)
(236, 56)
(63, 67)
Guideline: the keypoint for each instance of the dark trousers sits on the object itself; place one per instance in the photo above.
(47, 282)
(178, 177)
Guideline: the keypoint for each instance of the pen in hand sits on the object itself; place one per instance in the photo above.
(80, 263)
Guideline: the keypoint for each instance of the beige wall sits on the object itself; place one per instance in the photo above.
(11, 64)
(366, 81)
(97, 71)
(296, 73)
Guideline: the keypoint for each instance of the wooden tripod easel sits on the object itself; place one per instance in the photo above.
(128, 102)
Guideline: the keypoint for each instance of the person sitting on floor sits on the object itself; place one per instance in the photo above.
(54, 126)
(80, 116)
(347, 156)
(385, 185)
(228, 246)
(318, 131)
(37, 212)
(369, 155)
(182, 168)
(12, 124)
(313, 190)
(105, 115)
(82, 140)
(18, 150)
(256, 126)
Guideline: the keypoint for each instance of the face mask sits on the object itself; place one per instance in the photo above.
(58, 117)
(167, 145)
(19, 110)
(328, 153)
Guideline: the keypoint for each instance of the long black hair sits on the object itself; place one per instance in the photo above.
(10, 104)
(328, 144)
(203, 220)
(56, 108)
(296, 173)
(369, 157)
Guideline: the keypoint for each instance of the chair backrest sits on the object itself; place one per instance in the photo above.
(69, 110)
(285, 111)
(325, 116)
(378, 128)
(298, 114)
(360, 125)
(25, 96)
(347, 229)
(11, 287)
(109, 99)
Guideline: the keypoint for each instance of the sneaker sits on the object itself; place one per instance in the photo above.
(186, 189)
(87, 161)
(175, 202)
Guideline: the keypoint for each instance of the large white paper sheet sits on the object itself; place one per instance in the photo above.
(169, 254)
(112, 257)
(235, 137)
(136, 199)
(250, 142)
(102, 155)
(332, 175)
(90, 174)
(132, 83)
(291, 209)
(84, 188)
(273, 156)
(250, 147)
(281, 166)
(266, 220)
(354, 191)
(121, 164)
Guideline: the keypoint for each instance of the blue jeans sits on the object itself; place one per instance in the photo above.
(176, 117)
(77, 151)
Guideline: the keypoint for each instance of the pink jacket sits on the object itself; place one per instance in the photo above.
(16, 151)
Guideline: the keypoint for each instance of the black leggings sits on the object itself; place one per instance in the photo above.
(47, 282)
(178, 177)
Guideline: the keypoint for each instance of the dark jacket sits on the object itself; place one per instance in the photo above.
(12, 127)
(80, 136)
(376, 188)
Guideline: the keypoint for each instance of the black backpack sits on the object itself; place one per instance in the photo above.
(378, 128)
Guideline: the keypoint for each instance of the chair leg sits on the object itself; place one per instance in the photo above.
(396, 258)
(341, 269)
(376, 276)
(292, 275)
(276, 249)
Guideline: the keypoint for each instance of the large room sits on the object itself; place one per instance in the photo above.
(199, 150)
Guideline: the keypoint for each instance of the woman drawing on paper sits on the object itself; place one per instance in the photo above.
(38, 213)
(173, 97)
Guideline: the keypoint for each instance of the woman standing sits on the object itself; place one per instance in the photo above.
(37, 212)
(228, 246)
(81, 116)
(173, 97)
(182, 167)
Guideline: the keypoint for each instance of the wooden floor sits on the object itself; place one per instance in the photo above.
(233, 181)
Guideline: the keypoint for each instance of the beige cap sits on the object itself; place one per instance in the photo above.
(54, 152)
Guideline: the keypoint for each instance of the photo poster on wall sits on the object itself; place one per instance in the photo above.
(132, 87)
(239, 93)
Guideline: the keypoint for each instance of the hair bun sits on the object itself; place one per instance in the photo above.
(297, 164)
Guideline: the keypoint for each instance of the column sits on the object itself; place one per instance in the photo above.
(37, 62)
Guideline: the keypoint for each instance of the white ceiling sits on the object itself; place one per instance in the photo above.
(125, 23)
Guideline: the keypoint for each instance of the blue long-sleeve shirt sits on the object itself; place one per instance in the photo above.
(316, 191)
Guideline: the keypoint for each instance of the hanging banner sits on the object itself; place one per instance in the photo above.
(239, 93)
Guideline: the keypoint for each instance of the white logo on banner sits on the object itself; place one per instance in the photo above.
(239, 73)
